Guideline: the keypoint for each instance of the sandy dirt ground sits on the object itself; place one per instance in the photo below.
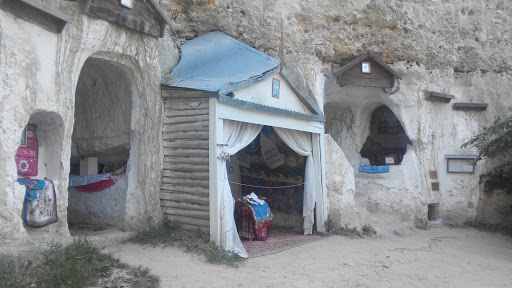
(439, 257)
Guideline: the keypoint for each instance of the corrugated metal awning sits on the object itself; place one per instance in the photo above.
(214, 61)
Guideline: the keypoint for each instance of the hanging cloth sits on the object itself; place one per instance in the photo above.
(40, 205)
(237, 135)
(270, 153)
(301, 143)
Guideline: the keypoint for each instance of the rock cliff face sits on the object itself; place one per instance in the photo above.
(465, 36)
(458, 47)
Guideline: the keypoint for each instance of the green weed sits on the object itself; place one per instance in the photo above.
(197, 242)
(76, 265)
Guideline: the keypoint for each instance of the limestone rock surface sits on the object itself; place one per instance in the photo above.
(340, 186)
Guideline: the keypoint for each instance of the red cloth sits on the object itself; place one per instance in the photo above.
(27, 154)
(97, 186)
(246, 225)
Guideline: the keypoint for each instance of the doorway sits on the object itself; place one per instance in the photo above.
(387, 142)
(101, 145)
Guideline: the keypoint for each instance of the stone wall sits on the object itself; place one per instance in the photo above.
(39, 72)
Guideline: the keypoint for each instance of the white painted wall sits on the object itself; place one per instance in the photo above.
(261, 93)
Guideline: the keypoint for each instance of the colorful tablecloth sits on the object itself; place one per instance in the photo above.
(247, 227)
(285, 200)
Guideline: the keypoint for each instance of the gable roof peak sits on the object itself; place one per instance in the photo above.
(366, 55)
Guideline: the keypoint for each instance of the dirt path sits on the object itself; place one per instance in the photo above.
(440, 257)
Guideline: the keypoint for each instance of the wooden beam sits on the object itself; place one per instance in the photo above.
(439, 97)
(470, 106)
(44, 16)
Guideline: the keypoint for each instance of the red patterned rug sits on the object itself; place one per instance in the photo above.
(26, 156)
(279, 240)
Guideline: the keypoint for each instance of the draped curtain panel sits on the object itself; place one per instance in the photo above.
(237, 135)
(302, 144)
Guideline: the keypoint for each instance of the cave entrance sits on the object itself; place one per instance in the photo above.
(387, 142)
(269, 168)
(101, 142)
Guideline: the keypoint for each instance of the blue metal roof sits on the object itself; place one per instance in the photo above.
(215, 61)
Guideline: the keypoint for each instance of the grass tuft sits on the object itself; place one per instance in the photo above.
(76, 265)
(366, 230)
(172, 234)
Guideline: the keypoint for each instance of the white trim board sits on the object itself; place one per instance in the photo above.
(265, 118)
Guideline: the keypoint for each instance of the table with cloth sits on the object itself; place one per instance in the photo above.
(252, 220)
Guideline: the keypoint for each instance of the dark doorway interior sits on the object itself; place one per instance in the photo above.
(387, 138)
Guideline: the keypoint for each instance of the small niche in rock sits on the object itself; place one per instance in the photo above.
(433, 211)
(387, 142)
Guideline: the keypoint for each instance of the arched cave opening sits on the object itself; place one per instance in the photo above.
(387, 142)
(101, 144)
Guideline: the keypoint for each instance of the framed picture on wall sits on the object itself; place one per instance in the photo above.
(366, 67)
(460, 163)
(275, 88)
(23, 140)
(127, 3)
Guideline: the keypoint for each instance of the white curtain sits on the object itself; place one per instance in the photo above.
(237, 135)
(302, 144)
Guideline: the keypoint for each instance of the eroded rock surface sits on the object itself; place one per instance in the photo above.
(465, 36)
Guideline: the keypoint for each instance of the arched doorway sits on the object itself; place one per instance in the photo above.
(38, 163)
(387, 141)
(101, 144)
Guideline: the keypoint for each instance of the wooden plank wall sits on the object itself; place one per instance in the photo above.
(378, 76)
(184, 187)
(142, 17)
